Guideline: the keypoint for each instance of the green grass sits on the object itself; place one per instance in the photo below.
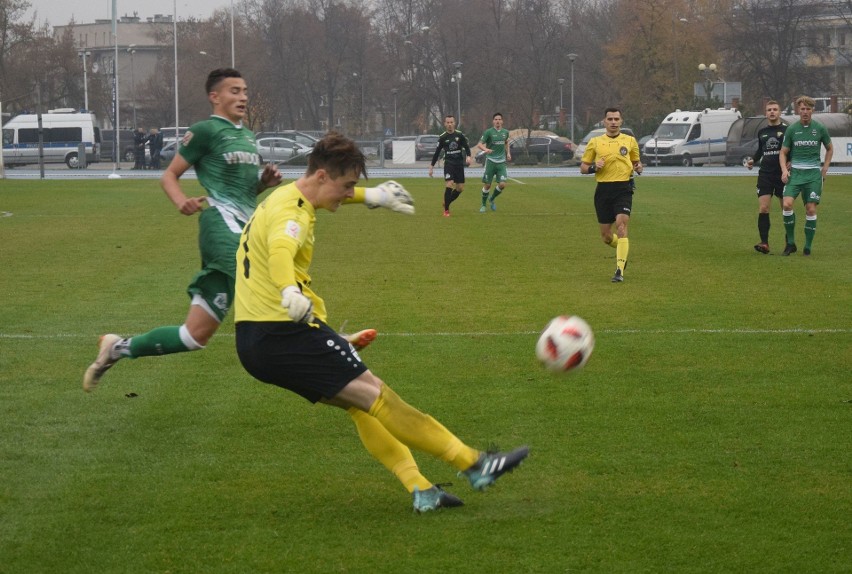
(709, 432)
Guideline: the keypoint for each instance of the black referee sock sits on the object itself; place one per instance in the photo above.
(763, 227)
(448, 199)
(454, 195)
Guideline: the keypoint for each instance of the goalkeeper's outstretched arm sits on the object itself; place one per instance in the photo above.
(389, 194)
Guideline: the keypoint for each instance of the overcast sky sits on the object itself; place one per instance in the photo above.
(59, 12)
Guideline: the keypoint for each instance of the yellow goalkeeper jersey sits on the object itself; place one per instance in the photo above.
(619, 154)
(276, 248)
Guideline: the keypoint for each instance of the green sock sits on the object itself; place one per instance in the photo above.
(484, 196)
(790, 226)
(810, 230)
(160, 341)
(497, 191)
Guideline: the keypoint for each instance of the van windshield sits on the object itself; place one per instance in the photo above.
(672, 131)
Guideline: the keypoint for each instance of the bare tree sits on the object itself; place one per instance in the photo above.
(767, 41)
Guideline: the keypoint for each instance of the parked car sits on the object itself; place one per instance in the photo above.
(280, 149)
(425, 146)
(167, 154)
(537, 146)
(389, 144)
(581, 148)
(542, 146)
(126, 140)
(303, 138)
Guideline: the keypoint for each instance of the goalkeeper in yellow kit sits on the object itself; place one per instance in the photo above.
(283, 339)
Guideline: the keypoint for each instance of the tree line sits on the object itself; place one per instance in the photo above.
(362, 67)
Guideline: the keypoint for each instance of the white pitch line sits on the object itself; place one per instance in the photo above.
(685, 331)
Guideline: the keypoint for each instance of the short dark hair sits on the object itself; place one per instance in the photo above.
(496, 114)
(449, 116)
(337, 154)
(217, 75)
(612, 111)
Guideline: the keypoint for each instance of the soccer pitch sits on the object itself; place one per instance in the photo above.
(709, 432)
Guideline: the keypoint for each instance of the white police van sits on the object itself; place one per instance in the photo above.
(691, 138)
(64, 133)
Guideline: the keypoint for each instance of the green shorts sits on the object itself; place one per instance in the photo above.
(494, 169)
(808, 184)
(214, 284)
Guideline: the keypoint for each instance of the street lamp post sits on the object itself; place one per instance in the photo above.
(83, 54)
(572, 57)
(360, 79)
(174, 32)
(560, 81)
(394, 91)
(457, 66)
(675, 47)
(707, 71)
(232, 35)
(131, 50)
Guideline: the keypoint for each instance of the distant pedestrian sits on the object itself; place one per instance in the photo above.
(139, 142)
(155, 145)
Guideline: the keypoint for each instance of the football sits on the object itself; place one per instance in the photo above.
(565, 344)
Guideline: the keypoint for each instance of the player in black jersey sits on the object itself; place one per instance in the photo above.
(456, 156)
(769, 182)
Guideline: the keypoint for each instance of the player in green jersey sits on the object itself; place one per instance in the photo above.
(495, 143)
(225, 158)
(803, 141)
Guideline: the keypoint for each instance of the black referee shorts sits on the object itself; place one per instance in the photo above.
(613, 198)
(312, 361)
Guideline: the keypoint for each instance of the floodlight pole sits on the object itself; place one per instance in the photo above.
(83, 54)
(232, 35)
(458, 66)
(572, 57)
(174, 30)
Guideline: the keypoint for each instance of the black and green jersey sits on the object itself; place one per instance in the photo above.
(455, 148)
(226, 162)
(769, 140)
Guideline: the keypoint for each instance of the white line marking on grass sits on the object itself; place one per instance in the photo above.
(516, 180)
(736, 331)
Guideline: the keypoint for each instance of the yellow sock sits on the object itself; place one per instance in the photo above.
(621, 253)
(418, 430)
(394, 455)
(614, 241)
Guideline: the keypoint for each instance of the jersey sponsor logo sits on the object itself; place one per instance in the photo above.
(293, 229)
(806, 143)
(241, 157)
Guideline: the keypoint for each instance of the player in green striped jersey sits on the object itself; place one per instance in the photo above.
(495, 143)
(803, 141)
(226, 162)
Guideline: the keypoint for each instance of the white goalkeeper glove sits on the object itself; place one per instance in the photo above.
(298, 306)
(391, 195)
